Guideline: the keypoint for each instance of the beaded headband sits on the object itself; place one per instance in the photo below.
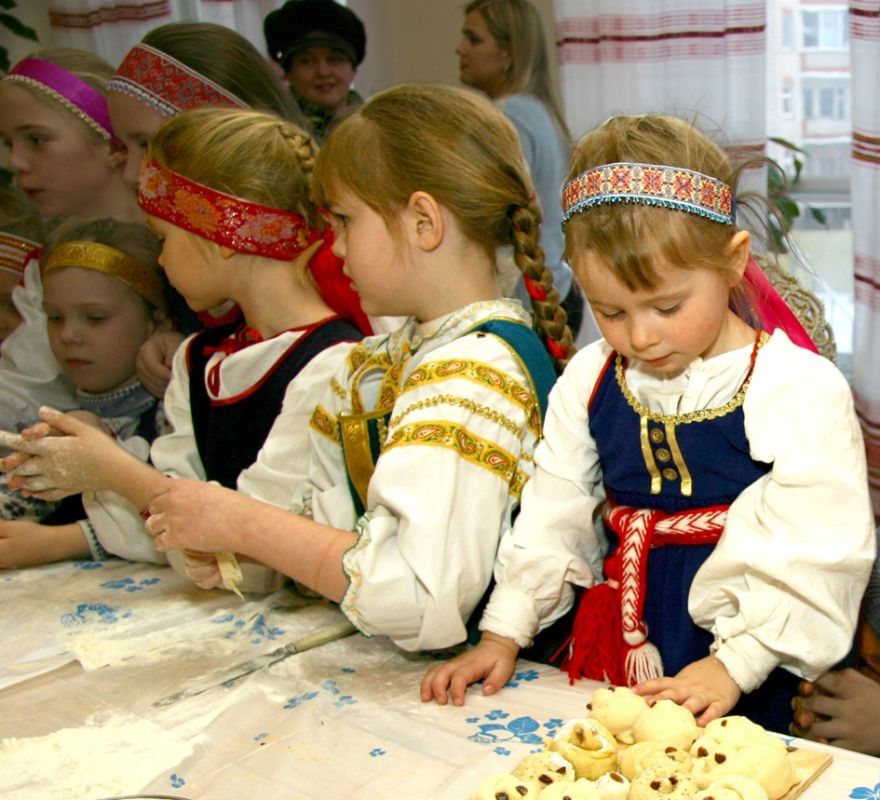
(166, 84)
(77, 96)
(244, 226)
(649, 184)
(15, 252)
(134, 273)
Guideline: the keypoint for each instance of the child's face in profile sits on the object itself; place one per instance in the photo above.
(9, 316)
(96, 327)
(52, 155)
(134, 123)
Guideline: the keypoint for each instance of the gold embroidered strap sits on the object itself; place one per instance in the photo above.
(360, 457)
(134, 273)
(466, 444)
(323, 422)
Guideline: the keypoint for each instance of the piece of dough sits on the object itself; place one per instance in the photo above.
(587, 745)
(764, 761)
(505, 787)
(617, 708)
(668, 722)
(735, 787)
(580, 789)
(663, 782)
(641, 755)
(613, 786)
(230, 572)
(544, 768)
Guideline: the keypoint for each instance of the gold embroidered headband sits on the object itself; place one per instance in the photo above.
(649, 184)
(15, 252)
(134, 273)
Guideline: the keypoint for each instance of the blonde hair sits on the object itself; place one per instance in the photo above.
(516, 25)
(630, 237)
(249, 154)
(456, 146)
(132, 238)
(88, 67)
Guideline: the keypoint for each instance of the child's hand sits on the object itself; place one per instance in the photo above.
(704, 687)
(841, 708)
(193, 515)
(494, 659)
(53, 467)
(154, 359)
(202, 569)
(26, 544)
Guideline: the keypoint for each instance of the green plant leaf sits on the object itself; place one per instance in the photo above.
(4, 60)
(819, 215)
(788, 145)
(18, 28)
(8, 4)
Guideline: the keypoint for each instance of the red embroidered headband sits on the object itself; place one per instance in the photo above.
(15, 252)
(649, 184)
(166, 84)
(244, 226)
(77, 96)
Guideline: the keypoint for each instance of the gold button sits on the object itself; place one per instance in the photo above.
(663, 454)
(670, 474)
(656, 435)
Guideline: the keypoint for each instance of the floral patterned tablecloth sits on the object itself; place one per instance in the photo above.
(340, 721)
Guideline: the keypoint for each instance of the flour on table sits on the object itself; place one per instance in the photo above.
(111, 755)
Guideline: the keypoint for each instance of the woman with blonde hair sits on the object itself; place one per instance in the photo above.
(502, 53)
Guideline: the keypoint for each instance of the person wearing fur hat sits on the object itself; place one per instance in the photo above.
(319, 44)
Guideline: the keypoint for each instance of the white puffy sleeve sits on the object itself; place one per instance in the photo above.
(554, 545)
(117, 524)
(459, 447)
(783, 585)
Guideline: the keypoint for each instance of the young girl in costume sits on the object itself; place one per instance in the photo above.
(233, 228)
(180, 67)
(103, 296)
(64, 156)
(422, 439)
(727, 464)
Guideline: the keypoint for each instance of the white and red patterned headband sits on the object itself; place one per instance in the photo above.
(166, 84)
(244, 226)
(15, 252)
(649, 184)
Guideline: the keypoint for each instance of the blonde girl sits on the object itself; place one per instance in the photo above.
(228, 192)
(726, 463)
(104, 295)
(421, 441)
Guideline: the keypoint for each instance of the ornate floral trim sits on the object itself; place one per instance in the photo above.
(323, 422)
(15, 252)
(467, 445)
(649, 184)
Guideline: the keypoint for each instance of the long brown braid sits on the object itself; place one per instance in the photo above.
(459, 148)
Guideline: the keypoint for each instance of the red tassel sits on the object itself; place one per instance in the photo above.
(596, 638)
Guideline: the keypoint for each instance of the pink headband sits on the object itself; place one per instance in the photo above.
(248, 228)
(15, 252)
(66, 88)
(167, 85)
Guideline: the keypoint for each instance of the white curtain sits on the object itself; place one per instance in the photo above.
(698, 59)
(864, 27)
(112, 28)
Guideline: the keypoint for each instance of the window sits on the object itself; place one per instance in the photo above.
(824, 29)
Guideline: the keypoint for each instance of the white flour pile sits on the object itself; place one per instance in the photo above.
(112, 755)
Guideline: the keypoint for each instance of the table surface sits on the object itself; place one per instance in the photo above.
(90, 648)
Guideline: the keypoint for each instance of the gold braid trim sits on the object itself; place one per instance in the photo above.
(461, 402)
(468, 446)
(324, 423)
(483, 375)
(337, 389)
(134, 273)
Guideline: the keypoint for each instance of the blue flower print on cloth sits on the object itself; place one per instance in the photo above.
(865, 793)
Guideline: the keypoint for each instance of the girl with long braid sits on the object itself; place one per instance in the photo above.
(423, 439)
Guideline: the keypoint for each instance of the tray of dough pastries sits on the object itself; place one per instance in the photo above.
(624, 749)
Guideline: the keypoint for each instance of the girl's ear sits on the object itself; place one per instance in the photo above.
(424, 222)
(738, 252)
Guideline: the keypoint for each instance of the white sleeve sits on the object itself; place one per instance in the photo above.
(118, 525)
(440, 496)
(554, 544)
(30, 376)
(282, 463)
(783, 585)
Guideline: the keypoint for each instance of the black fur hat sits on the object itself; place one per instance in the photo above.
(306, 23)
